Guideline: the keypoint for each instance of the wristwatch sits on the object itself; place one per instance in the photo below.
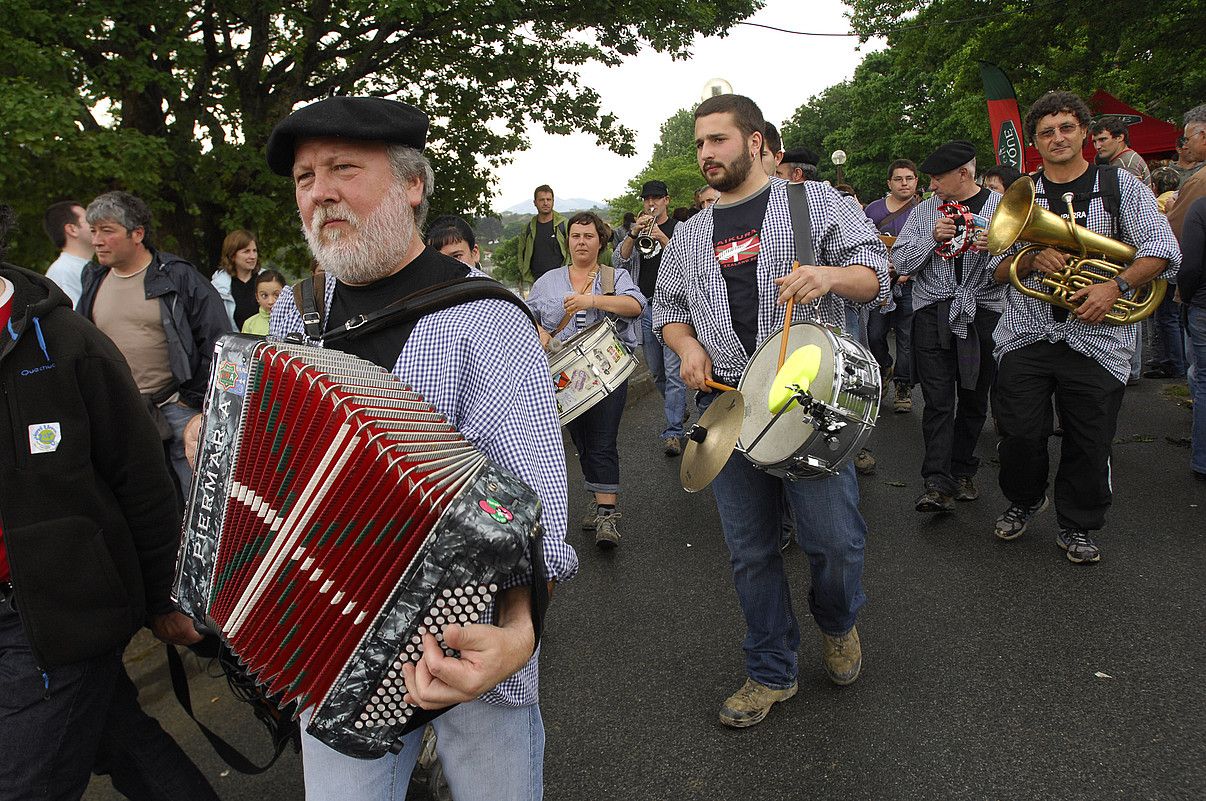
(1123, 286)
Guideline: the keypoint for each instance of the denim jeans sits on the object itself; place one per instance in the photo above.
(830, 530)
(1169, 346)
(178, 415)
(1137, 356)
(58, 727)
(594, 435)
(900, 320)
(488, 752)
(664, 365)
(1196, 328)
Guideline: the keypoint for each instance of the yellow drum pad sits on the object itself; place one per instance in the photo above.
(801, 367)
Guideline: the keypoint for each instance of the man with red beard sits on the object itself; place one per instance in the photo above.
(362, 186)
(726, 275)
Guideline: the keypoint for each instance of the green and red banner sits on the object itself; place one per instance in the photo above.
(1003, 116)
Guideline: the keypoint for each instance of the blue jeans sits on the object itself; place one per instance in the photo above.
(594, 436)
(1169, 345)
(1137, 356)
(664, 365)
(830, 530)
(178, 415)
(900, 320)
(1196, 328)
(489, 753)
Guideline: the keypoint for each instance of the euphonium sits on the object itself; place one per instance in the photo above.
(1091, 258)
(646, 244)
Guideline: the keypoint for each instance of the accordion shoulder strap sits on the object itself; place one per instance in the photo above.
(308, 296)
(406, 311)
(801, 225)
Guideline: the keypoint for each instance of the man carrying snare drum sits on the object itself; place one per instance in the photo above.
(566, 302)
(720, 293)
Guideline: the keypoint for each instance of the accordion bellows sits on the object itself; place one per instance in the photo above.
(334, 517)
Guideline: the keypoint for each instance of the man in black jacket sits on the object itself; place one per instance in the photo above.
(160, 312)
(88, 538)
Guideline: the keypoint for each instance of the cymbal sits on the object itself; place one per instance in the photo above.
(711, 442)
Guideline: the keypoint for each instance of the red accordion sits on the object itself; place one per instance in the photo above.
(335, 517)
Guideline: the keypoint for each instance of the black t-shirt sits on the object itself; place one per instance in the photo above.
(383, 346)
(546, 250)
(737, 237)
(246, 305)
(1082, 193)
(975, 204)
(647, 275)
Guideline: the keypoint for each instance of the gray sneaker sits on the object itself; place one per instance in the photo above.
(606, 534)
(967, 489)
(672, 446)
(1013, 521)
(1077, 546)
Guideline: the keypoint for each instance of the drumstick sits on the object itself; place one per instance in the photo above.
(791, 301)
(720, 386)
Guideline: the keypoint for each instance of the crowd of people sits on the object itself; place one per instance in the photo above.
(695, 293)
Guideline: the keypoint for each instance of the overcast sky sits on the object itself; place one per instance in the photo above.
(778, 70)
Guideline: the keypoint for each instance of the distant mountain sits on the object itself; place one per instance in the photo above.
(562, 205)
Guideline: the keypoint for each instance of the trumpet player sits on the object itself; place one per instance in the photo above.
(1084, 361)
(956, 305)
(641, 254)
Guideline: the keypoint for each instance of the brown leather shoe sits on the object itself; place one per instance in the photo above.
(751, 703)
(842, 656)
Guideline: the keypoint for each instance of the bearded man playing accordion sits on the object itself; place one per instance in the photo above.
(1076, 356)
(956, 305)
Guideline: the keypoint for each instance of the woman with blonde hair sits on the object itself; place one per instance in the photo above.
(235, 277)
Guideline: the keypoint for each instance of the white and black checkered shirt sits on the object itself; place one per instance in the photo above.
(1027, 320)
(934, 278)
(481, 365)
(690, 288)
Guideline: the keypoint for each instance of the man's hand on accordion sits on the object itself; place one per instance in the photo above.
(175, 628)
(488, 655)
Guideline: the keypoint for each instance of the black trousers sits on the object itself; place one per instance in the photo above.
(594, 434)
(953, 417)
(59, 726)
(1087, 398)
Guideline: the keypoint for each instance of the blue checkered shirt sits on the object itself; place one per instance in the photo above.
(690, 288)
(1027, 320)
(934, 277)
(481, 365)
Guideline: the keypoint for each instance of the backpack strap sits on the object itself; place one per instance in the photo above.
(1109, 184)
(607, 277)
(309, 296)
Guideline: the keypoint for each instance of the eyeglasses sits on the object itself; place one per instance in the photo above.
(1067, 129)
(904, 179)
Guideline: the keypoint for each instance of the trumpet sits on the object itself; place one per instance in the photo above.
(646, 244)
(1018, 218)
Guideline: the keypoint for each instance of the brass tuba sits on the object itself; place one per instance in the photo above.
(1091, 258)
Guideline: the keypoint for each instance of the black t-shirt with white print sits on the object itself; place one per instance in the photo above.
(737, 237)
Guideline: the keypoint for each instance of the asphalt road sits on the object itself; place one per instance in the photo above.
(991, 670)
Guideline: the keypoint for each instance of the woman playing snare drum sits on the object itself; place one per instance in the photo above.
(567, 301)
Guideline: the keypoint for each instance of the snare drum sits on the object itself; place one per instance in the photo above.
(815, 442)
(590, 366)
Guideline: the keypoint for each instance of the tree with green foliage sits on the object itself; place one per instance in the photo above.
(174, 99)
(925, 88)
(673, 162)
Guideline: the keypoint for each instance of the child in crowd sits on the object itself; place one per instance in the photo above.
(268, 286)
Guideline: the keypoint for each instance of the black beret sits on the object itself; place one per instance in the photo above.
(654, 189)
(801, 155)
(951, 156)
(374, 119)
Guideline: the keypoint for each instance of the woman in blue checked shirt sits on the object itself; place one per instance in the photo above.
(571, 299)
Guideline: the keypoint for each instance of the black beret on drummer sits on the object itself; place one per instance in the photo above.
(801, 155)
(373, 119)
(951, 156)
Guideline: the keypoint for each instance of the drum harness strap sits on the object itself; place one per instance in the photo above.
(607, 277)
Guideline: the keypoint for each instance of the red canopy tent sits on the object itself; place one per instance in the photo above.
(1150, 137)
